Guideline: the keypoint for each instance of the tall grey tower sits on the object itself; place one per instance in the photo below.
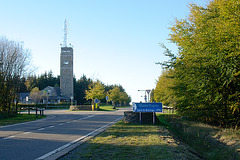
(66, 66)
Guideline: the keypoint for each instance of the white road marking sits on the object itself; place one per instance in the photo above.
(86, 117)
(40, 129)
(9, 137)
(76, 140)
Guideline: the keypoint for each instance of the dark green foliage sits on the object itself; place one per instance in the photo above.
(80, 87)
(42, 81)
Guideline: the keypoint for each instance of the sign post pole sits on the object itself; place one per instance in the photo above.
(147, 107)
(140, 117)
(154, 118)
(107, 99)
(96, 103)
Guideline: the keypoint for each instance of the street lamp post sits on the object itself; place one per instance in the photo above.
(145, 97)
(71, 100)
(147, 91)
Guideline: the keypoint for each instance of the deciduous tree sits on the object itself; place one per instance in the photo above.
(96, 91)
(36, 95)
(119, 97)
(14, 63)
(164, 89)
(206, 70)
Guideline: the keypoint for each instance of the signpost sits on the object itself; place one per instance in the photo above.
(96, 102)
(147, 107)
(107, 98)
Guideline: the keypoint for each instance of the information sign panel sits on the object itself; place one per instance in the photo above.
(147, 107)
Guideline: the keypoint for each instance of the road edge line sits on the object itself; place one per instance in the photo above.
(59, 152)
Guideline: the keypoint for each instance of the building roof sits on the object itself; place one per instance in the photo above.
(23, 95)
(53, 93)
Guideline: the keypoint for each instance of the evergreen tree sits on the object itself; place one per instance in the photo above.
(80, 87)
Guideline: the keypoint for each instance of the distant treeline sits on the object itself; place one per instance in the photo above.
(81, 86)
(15, 65)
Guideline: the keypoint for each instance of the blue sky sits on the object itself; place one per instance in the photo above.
(115, 41)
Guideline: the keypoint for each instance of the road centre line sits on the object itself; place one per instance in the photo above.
(9, 137)
(76, 140)
(40, 129)
(86, 117)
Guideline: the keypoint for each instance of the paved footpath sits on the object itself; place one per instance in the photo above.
(55, 135)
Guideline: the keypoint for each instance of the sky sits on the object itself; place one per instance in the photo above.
(114, 41)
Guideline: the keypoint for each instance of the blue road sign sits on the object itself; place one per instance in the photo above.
(96, 100)
(147, 107)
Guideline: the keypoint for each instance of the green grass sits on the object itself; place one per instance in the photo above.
(132, 141)
(106, 108)
(109, 107)
(207, 140)
(19, 118)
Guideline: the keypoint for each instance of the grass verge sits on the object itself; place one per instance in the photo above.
(109, 108)
(212, 142)
(19, 118)
(132, 141)
(106, 108)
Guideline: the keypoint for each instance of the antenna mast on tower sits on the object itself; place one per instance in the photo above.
(65, 33)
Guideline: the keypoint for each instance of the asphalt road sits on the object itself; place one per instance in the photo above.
(53, 136)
